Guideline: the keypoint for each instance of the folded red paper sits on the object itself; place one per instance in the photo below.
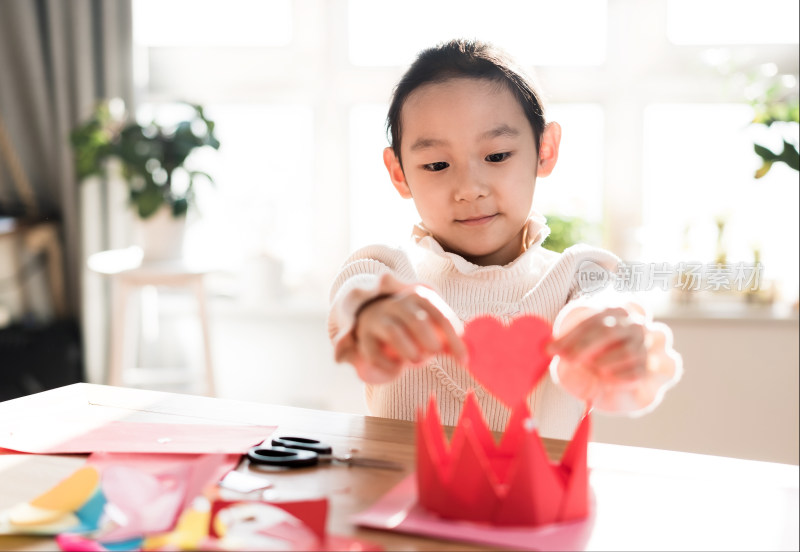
(512, 483)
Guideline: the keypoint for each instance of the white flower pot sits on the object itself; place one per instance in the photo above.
(161, 236)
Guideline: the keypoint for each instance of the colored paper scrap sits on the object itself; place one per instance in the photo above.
(70, 542)
(119, 497)
(148, 493)
(55, 510)
(24, 518)
(141, 437)
(244, 482)
(71, 493)
(189, 533)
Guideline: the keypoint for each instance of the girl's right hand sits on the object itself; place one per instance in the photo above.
(404, 328)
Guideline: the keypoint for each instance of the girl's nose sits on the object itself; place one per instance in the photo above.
(471, 185)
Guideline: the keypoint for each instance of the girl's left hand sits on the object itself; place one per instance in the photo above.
(609, 344)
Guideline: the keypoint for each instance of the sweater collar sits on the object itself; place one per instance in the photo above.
(535, 232)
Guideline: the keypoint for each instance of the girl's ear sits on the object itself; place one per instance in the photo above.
(548, 149)
(396, 173)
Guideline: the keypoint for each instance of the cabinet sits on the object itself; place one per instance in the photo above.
(739, 392)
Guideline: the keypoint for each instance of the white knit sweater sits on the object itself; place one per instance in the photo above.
(538, 282)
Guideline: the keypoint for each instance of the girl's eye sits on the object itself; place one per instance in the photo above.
(498, 157)
(437, 166)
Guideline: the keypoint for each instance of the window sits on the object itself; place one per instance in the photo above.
(695, 179)
(657, 142)
(734, 21)
(380, 34)
(181, 23)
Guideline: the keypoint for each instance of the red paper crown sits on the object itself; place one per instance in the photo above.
(514, 483)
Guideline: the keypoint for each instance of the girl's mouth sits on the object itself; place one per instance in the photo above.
(477, 220)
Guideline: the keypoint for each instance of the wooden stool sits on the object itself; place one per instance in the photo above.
(128, 273)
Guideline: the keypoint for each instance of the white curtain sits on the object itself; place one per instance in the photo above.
(57, 59)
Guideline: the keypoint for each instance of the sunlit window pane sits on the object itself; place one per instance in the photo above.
(575, 188)
(535, 32)
(377, 213)
(212, 23)
(698, 167)
(264, 184)
(733, 21)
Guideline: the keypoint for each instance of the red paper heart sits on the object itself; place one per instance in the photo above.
(508, 360)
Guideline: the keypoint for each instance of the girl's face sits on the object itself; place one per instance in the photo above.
(470, 164)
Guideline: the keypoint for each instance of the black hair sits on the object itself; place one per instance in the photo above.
(465, 59)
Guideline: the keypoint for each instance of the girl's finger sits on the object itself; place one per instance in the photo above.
(623, 372)
(396, 336)
(446, 320)
(417, 321)
(374, 354)
(597, 341)
(630, 348)
(588, 330)
(389, 327)
(446, 334)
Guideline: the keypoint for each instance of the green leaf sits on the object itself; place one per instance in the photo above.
(193, 174)
(180, 207)
(764, 169)
(764, 153)
(790, 155)
(147, 201)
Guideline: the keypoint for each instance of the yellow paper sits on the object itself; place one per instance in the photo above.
(26, 515)
(71, 493)
(190, 531)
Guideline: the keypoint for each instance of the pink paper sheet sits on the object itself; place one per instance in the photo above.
(398, 511)
(123, 436)
(153, 489)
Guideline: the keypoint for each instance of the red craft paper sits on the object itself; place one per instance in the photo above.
(122, 436)
(534, 491)
(430, 444)
(574, 466)
(478, 498)
(512, 483)
(471, 413)
(313, 513)
(399, 510)
(508, 360)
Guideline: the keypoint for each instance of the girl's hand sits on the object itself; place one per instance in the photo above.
(610, 344)
(405, 327)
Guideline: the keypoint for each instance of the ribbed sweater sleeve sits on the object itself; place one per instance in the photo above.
(368, 273)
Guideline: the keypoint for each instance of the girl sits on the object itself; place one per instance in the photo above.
(468, 141)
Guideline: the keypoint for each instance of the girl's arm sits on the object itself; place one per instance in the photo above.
(382, 318)
(614, 357)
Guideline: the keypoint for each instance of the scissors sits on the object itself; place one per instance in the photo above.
(299, 452)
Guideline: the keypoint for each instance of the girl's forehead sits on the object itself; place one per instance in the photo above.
(457, 101)
(479, 89)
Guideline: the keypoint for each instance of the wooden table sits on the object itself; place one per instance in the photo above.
(646, 499)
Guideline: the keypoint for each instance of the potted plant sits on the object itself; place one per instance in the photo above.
(151, 159)
(566, 231)
(777, 103)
